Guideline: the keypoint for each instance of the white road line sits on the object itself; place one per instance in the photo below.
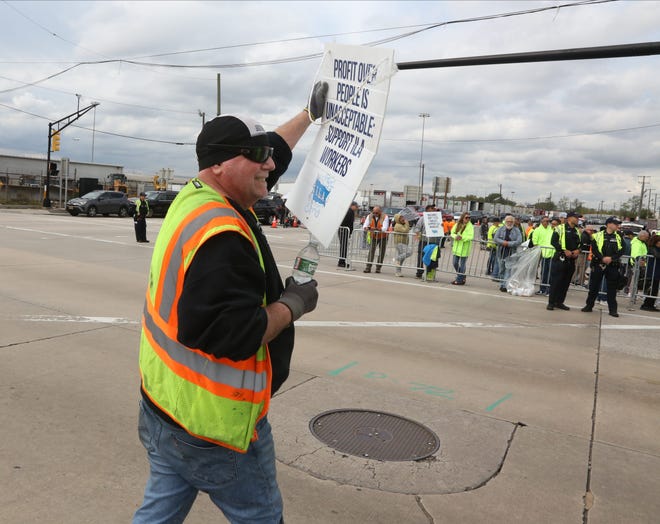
(355, 324)
(79, 319)
(103, 240)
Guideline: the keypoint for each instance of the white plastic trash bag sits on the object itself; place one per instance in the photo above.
(522, 267)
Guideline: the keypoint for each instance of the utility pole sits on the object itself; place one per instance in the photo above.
(641, 196)
(218, 94)
(423, 116)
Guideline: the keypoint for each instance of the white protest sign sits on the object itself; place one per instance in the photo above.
(347, 141)
(433, 224)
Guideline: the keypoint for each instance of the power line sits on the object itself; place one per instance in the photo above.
(547, 137)
(425, 27)
(106, 101)
(96, 130)
(422, 27)
(449, 141)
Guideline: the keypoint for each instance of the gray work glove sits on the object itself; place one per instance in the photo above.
(299, 298)
(317, 100)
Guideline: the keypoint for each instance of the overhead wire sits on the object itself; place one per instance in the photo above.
(108, 101)
(421, 28)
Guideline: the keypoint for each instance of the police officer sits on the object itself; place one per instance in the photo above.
(606, 249)
(566, 241)
(140, 218)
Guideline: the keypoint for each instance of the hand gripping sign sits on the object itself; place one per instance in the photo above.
(347, 140)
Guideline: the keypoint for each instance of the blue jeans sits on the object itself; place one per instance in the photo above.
(503, 271)
(242, 485)
(459, 266)
(492, 267)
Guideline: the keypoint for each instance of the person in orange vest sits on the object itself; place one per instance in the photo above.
(529, 229)
(217, 329)
(447, 224)
(377, 224)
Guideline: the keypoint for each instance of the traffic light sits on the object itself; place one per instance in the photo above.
(52, 169)
(55, 144)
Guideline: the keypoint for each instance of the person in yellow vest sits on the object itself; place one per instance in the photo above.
(462, 235)
(140, 218)
(217, 329)
(491, 246)
(542, 237)
(606, 249)
(637, 260)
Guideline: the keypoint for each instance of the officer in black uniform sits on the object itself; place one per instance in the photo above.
(566, 241)
(344, 233)
(606, 251)
(140, 218)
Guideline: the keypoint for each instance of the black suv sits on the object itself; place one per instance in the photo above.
(268, 207)
(159, 202)
(103, 202)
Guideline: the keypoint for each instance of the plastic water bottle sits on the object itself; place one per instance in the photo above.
(306, 263)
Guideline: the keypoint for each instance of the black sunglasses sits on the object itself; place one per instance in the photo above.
(259, 154)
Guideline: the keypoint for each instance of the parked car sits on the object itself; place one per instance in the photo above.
(268, 207)
(631, 226)
(446, 213)
(476, 216)
(391, 211)
(103, 202)
(159, 202)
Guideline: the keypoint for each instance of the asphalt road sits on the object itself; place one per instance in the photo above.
(541, 416)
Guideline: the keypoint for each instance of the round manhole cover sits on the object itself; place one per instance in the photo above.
(374, 435)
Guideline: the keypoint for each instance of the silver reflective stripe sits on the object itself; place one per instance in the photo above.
(176, 261)
(220, 373)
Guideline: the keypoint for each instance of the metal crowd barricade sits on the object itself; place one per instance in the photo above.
(643, 284)
(358, 243)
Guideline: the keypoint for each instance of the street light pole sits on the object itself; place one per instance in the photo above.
(55, 128)
(423, 116)
(94, 129)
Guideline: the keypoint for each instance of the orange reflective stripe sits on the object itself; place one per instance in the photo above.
(223, 378)
(187, 237)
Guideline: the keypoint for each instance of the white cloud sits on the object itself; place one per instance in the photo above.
(466, 104)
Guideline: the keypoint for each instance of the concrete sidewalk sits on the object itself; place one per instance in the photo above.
(533, 409)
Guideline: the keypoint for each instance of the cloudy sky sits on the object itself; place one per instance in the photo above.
(580, 129)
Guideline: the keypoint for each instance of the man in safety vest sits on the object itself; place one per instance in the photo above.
(566, 241)
(377, 224)
(637, 260)
(217, 329)
(606, 249)
(491, 246)
(140, 218)
(542, 237)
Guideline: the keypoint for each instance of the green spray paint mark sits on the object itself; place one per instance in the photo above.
(498, 402)
(336, 372)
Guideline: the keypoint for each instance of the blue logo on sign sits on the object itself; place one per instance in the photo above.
(320, 194)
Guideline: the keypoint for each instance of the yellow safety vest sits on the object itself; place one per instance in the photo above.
(491, 231)
(600, 239)
(215, 399)
(542, 236)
